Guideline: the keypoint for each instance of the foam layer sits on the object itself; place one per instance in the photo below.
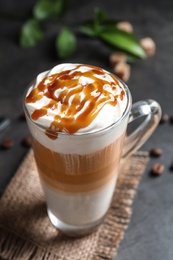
(60, 99)
(74, 98)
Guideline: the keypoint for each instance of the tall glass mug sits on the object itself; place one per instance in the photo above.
(78, 169)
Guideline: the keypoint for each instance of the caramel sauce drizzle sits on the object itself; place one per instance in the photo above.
(81, 112)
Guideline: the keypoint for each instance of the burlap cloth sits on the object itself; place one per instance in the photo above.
(26, 232)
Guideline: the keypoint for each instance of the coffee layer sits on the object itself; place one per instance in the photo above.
(78, 173)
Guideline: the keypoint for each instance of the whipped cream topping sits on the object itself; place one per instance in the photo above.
(75, 98)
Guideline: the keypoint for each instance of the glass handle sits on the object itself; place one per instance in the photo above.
(149, 108)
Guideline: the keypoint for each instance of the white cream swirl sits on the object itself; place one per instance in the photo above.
(60, 98)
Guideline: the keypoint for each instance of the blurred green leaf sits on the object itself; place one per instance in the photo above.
(131, 58)
(100, 22)
(65, 43)
(88, 28)
(43, 9)
(99, 19)
(123, 41)
(105, 30)
(30, 34)
(100, 15)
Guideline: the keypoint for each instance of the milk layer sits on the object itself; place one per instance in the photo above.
(79, 208)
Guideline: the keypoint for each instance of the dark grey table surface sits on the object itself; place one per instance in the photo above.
(150, 233)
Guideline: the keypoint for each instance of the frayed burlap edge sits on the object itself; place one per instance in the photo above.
(102, 244)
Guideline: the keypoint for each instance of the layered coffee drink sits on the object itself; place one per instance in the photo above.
(71, 111)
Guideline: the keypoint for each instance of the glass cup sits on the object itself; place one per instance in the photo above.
(79, 186)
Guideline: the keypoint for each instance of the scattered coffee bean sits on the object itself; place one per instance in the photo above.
(22, 116)
(171, 119)
(26, 141)
(171, 167)
(148, 45)
(157, 169)
(156, 152)
(164, 118)
(7, 143)
(122, 70)
(125, 26)
(116, 58)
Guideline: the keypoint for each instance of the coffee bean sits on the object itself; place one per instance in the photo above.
(7, 143)
(125, 26)
(22, 116)
(148, 45)
(122, 70)
(156, 152)
(116, 58)
(171, 119)
(164, 118)
(26, 141)
(171, 167)
(157, 169)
